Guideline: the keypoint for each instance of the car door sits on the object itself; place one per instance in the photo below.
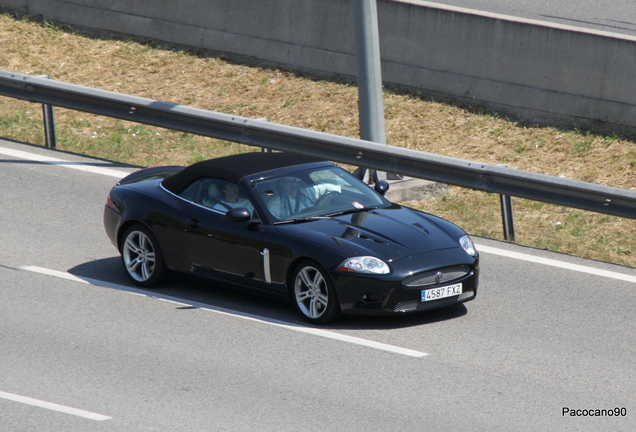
(218, 247)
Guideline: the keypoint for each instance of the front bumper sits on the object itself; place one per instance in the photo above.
(392, 294)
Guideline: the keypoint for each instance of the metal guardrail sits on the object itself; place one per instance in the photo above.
(473, 175)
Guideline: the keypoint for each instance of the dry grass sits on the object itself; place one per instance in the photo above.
(174, 74)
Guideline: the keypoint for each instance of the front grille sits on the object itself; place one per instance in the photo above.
(431, 277)
(415, 305)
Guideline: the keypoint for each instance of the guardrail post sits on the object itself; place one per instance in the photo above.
(49, 122)
(49, 125)
(264, 149)
(507, 217)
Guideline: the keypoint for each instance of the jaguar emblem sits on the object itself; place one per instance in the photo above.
(438, 276)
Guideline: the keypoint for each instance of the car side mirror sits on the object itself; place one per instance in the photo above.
(382, 187)
(240, 214)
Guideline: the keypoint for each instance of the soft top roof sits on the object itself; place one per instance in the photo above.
(234, 168)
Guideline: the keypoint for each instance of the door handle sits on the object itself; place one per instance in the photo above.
(193, 223)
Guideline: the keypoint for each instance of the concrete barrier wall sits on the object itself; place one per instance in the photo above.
(535, 70)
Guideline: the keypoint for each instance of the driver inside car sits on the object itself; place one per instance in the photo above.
(292, 197)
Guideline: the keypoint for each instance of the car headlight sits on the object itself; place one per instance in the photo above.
(365, 264)
(467, 244)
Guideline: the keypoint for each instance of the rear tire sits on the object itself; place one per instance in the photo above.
(141, 257)
(313, 294)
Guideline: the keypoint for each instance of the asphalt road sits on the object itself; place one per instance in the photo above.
(82, 350)
(616, 16)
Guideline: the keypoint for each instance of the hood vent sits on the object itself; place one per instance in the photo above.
(363, 237)
(418, 225)
(359, 235)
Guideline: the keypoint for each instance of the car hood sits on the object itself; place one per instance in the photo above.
(389, 233)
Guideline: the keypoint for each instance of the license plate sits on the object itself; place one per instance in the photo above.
(441, 292)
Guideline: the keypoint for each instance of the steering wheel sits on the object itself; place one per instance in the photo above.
(331, 194)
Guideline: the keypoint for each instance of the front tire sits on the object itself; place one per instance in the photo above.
(141, 257)
(313, 294)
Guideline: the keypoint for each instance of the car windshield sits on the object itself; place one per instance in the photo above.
(314, 193)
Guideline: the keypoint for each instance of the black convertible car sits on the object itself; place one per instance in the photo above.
(292, 225)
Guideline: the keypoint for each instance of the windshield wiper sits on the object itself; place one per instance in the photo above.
(303, 219)
(353, 210)
(327, 216)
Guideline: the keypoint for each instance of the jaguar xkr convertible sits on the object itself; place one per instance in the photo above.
(294, 226)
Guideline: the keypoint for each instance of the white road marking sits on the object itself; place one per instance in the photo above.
(61, 162)
(556, 263)
(229, 312)
(53, 407)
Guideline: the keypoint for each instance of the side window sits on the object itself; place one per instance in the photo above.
(202, 191)
(191, 193)
(221, 195)
(211, 194)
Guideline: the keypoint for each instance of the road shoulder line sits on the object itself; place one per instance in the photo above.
(53, 406)
(229, 312)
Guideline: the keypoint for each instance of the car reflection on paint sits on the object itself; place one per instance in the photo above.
(291, 225)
